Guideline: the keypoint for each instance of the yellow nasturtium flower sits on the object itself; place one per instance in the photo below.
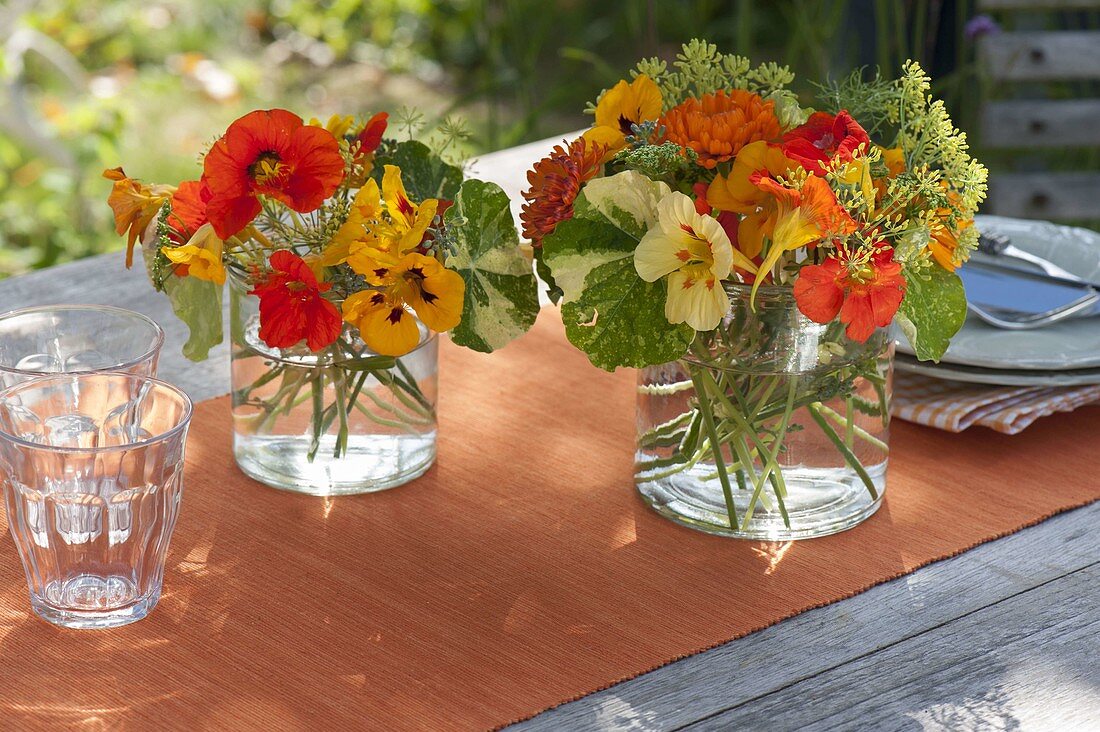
(622, 106)
(338, 124)
(416, 281)
(201, 255)
(408, 222)
(365, 213)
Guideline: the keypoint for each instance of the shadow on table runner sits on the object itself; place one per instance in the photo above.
(521, 572)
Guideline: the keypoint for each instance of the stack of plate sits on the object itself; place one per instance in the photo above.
(1062, 354)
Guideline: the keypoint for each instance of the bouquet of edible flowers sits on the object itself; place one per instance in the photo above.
(357, 245)
(704, 184)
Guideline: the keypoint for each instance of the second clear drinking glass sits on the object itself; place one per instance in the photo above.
(76, 338)
(92, 472)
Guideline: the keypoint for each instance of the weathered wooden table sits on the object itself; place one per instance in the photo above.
(1003, 637)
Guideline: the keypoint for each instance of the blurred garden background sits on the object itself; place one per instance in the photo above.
(90, 84)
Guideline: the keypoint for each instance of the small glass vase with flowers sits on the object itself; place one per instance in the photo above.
(346, 253)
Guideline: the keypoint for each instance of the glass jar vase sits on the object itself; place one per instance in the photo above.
(340, 421)
(771, 427)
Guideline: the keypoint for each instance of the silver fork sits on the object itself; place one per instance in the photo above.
(1020, 320)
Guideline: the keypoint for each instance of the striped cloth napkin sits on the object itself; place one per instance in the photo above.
(955, 406)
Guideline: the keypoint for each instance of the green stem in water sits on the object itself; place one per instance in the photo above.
(716, 447)
(849, 456)
(771, 465)
(339, 382)
(849, 423)
(859, 431)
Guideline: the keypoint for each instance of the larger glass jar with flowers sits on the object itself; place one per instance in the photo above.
(747, 255)
(346, 254)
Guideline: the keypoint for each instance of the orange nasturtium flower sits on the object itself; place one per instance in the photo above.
(804, 216)
(135, 205)
(716, 126)
(866, 293)
(555, 182)
(271, 153)
(416, 281)
(292, 305)
(944, 239)
(736, 192)
(620, 108)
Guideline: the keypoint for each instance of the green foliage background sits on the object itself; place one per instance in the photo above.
(153, 82)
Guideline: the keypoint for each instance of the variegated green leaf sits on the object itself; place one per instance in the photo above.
(932, 312)
(198, 304)
(424, 174)
(501, 291)
(610, 313)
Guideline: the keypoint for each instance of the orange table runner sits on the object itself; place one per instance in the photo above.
(522, 571)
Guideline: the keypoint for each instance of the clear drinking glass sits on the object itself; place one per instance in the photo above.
(92, 471)
(75, 338)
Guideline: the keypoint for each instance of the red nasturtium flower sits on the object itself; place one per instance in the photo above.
(269, 152)
(824, 137)
(189, 207)
(292, 307)
(555, 182)
(370, 137)
(865, 295)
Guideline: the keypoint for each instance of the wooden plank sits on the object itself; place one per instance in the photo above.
(1045, 195)
(1042, 55)
(809, 645)
(1038, 123)
(1054, 5)
(1028, 662)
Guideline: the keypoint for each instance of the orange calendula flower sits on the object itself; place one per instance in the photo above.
(716, 126)
(270, 153)
(555, 182)
(416, 281)
(866, 294)
(738, 193)
(292, 306)
(620, 108)
(135, 205)
(803, 217)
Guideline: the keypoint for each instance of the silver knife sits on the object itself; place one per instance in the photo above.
(999, 246)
